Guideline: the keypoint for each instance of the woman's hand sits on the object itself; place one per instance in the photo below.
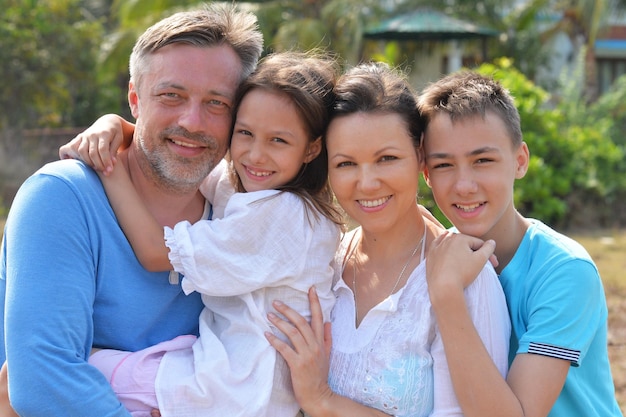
(309, 353)
(308, 360)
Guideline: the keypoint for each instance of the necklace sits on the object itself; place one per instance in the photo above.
(419, 244)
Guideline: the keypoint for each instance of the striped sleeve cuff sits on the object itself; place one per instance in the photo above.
(555, 352)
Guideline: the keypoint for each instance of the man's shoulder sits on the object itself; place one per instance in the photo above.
(56, 181)
(65, 168)
(67, 171)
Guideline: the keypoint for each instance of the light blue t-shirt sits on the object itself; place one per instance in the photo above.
(68, 280)
(558, 308)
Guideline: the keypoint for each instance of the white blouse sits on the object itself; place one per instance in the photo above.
(395, 361)
(268, 246)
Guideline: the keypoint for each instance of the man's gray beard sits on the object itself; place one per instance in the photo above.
(173, 173)
(181, 177)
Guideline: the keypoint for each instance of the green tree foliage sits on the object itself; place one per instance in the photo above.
(612, 106)
(532, 26)
(610, 112)
(335, 25)
(47, 50)
(577, 171)
(574, 160)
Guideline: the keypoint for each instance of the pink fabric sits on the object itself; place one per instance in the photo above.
(132, 374)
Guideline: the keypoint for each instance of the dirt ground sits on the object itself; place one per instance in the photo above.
(616, 300)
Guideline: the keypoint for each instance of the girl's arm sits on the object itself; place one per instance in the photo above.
(142, 230)
(308, 362)
(98, 145)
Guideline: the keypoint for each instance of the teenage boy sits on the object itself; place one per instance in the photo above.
(559, 364)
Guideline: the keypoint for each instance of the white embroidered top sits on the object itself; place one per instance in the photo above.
(395, 361)
(268, 246)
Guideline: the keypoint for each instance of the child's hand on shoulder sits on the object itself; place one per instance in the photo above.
(98, 145)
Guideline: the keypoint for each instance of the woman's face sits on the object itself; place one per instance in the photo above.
(373, 168)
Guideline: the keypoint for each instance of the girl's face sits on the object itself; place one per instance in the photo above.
(270, 142)
(373, 168)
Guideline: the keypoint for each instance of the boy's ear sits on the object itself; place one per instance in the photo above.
(522, 158)
(313, 150)
(426, 175)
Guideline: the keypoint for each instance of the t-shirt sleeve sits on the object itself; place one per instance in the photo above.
(50, 292)
(564, 312)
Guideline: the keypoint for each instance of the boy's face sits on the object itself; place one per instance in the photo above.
(471, 166)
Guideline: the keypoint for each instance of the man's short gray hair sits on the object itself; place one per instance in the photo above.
(212, 25)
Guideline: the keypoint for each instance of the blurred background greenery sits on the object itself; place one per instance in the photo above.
(65, 62)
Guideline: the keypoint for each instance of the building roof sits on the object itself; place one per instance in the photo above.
(427, 24)
(610, 48)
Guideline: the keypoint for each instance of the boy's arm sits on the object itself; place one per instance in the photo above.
(98, 145)
(534, 382)
(537, 381)
(142, 230)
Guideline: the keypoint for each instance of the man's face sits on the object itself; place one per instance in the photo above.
(183, 106)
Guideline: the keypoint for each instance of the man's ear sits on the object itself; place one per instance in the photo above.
(522, 159)
(133, 100)
(313, 150)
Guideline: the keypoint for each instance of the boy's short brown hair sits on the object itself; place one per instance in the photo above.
(466, 94)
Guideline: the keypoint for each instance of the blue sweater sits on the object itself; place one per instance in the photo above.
(69, 280)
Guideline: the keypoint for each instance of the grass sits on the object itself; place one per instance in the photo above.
(608, 249)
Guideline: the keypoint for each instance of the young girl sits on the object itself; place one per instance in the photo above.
(274, 238)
